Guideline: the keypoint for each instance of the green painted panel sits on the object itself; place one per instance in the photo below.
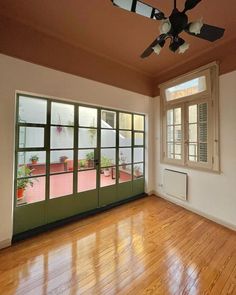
(138, 186)
(124, 190)
(64, 207)
(107, 195)
(29, 216)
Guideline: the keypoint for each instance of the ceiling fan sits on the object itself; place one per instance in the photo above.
(173, 26)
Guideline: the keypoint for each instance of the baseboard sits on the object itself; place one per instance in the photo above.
(5, 243)
(199, 212)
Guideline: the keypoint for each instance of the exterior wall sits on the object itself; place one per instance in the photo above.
(17, 75)
(212, 195)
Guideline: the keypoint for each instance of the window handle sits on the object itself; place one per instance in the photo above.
(96, 162)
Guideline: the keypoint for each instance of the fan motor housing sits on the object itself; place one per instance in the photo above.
(179, 21)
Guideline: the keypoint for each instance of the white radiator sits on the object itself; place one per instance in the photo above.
(175, 184)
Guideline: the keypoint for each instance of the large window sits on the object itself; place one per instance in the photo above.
(189, 111)
(64, 149)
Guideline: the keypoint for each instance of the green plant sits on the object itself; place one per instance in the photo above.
(90, 156)
(34, 158)
(82, 163)
(105, 162)
(22, 183)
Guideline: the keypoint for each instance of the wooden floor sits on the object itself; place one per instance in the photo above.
(145, 247)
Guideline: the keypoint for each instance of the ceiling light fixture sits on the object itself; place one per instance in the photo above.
(172, 27)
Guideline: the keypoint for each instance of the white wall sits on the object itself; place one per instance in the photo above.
(212, 195)
(18, 75)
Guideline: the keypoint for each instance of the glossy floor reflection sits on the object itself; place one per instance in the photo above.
(145, 247)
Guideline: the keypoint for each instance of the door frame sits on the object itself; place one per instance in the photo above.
(39, 212)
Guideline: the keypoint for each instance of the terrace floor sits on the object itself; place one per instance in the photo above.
(62, 184)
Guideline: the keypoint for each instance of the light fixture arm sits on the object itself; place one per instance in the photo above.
(175, 4)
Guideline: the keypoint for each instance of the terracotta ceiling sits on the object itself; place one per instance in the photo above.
(112, 38)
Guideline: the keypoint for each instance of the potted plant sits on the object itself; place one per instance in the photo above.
(90, 159)
(63, 159)
(105, 162)
(23, 183)
(137, 171)
(34, 159)
(82, 163)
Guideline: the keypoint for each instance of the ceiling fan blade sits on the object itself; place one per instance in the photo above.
(149, 50)
(190, 4)
(139, 7)
(209, 33)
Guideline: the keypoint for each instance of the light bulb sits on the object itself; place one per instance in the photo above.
(183, 48)
(157, 49)
(165, 26)
(195, 27)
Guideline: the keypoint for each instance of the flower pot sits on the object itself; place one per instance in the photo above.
(107, 172)
(34, 162)
(90, 163)
(20, 193)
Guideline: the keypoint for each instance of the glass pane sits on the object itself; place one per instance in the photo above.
(203, 112)
(125, 173)
(191, 87)
(138, 155)
(178, 133)
(31, 137)
(203, 152)
(139, 122)
(62, 137)
(125, 4)
(87, 117)
(87, 138)
(61, 185)
(138, 138)
(62, 114)
(32, 110)
(125, 156)
(178, 157)
(170, 134)
(192, 114)
(125, 121)
(30, 190)
(87, 180)
(31, 163)
(108, 176)
(193, 132)
(170, 117)
(192, 159)
(125, 138)
(108, 138)
(177, 116)
(108, 119)
(108, 157)
(61, 161)
(193, 150)
(178, 149)
(85, 159)
(138, 171)
(203, 132)
(143, 9)
(170, 150)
